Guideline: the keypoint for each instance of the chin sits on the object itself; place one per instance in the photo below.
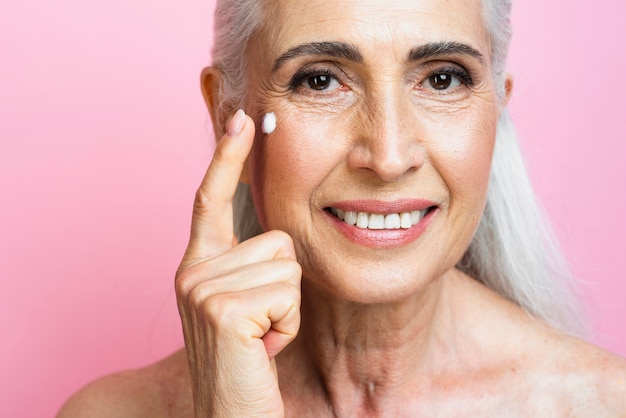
(371, 287)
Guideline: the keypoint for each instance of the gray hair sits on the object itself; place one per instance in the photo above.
(513, 251)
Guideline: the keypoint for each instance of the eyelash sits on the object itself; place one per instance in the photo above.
(301, 76)
(463, 75)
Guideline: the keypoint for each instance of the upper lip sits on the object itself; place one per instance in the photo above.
(383, 207)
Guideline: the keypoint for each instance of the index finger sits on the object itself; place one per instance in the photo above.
(212, 229)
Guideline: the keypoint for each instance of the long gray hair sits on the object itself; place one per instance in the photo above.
(513, 251)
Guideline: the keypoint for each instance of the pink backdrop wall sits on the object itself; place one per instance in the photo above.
(103, 139)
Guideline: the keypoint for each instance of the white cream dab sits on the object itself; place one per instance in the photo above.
(269, 123)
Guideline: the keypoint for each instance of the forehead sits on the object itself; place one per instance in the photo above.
(375, 25)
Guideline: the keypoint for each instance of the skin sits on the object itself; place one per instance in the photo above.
(306, 320)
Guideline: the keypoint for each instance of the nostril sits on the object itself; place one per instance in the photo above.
(389, 158)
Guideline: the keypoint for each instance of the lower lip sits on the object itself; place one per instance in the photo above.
(383, 238)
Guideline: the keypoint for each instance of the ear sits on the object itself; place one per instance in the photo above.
(211, 81)
(508, 88)
(211, 85)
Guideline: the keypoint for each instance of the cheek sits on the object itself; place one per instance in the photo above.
(288, 165)
(465, 163)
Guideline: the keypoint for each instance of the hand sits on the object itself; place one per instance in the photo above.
(239, 303)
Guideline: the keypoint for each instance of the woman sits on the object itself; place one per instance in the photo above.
(404, 270)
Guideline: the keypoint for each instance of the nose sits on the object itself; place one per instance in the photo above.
(388, 140)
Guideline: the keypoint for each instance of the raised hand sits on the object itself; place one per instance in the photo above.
(239, 303)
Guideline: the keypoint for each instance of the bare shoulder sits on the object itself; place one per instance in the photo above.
(551, 374)
(602, 376)
(159, 390)
(582, 378)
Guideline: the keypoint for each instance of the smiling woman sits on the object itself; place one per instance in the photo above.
(380, 254)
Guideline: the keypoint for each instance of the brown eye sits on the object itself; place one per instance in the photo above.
(440, 81)
(322, 82)
(444, 81)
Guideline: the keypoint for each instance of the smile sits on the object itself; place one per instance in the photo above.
(365, 220)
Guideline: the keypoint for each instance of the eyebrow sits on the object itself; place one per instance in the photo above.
(438, 49)
(330, 49)
(351, 52)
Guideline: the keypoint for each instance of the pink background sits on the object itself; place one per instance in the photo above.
(104, 138)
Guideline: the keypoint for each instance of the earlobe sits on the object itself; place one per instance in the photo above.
(508, 89)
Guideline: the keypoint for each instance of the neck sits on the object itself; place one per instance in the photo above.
(368, 339)
(364, 355)
(386, 359)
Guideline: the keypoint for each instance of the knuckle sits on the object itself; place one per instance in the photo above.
(293, 270)
(292, 292)
(199, 293)
(188, 278)
(282, 241)
(280, 236)
(296, 268)
(207, 298)
(195, 283)
(183, 282)
(201, 202)
(221, 310)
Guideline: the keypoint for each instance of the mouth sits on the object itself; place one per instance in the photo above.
(378, 221)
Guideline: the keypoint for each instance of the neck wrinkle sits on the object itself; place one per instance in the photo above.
(364, 354)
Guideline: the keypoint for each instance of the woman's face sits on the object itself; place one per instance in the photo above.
(383, 108)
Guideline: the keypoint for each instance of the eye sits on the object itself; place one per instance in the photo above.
(447, 79)
(315, 80)
(442, 82)
(322, 82)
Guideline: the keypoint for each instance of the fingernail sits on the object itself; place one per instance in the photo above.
(236, 123)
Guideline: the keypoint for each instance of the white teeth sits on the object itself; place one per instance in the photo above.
(376, 221)
(392, 221)
(363, 220)
(416, 215)
(405, 220)
(350, 217)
